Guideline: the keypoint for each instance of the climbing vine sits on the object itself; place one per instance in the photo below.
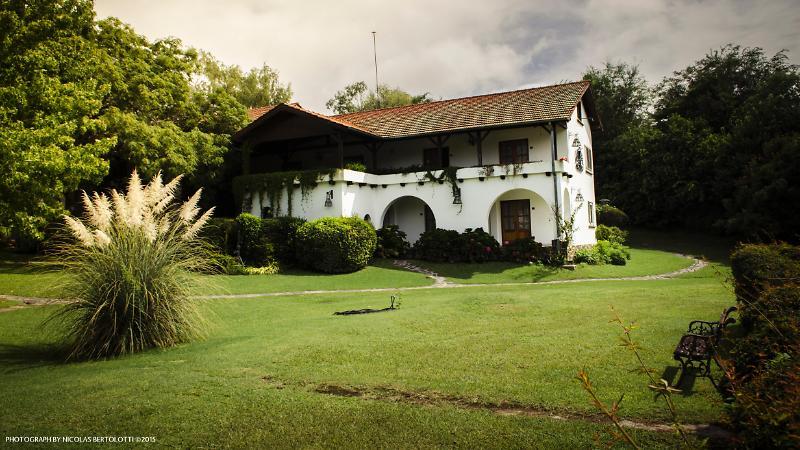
(448, 175)
(273, 184)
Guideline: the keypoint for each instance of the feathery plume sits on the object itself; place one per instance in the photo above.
(189, 209)
(80, 231)
(192, 231)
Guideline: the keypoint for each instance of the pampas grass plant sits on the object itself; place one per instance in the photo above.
(130, 262)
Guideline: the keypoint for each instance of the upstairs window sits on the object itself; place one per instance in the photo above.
(580, 113)
(514, 152)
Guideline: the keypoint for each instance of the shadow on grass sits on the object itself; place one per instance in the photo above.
(713, 248)
(466, 271)
(15, 358)
(672, 374)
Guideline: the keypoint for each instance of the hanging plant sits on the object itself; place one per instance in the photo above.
(448, 175)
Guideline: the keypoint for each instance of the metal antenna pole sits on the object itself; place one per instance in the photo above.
(375, 54)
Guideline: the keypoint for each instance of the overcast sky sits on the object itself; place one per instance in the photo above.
(459, 48)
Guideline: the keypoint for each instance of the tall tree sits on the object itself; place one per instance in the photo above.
(621, 99)
(256, 87)
(83, 102)
(719, 150)
(357, 97)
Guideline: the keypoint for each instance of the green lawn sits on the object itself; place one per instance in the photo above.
(521, 345)
(30, 279)
(255, 381)
(642, 262)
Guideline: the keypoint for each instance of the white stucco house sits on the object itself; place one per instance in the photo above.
(506, 162)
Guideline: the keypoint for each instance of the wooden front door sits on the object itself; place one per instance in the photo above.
(515, 217)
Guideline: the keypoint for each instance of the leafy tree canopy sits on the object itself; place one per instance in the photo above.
(257, 87)
(718, 150)
(357, 97)
(84, 102)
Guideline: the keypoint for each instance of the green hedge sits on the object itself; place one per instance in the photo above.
(610, 234)
(335, 244)
(765, 350)
(611, 216)
(254, 247)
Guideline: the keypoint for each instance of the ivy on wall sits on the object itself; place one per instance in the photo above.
(448, 175)
(273, 185)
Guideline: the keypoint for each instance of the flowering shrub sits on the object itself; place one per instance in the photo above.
(477, 246)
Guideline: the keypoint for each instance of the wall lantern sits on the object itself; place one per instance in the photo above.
(579, 198)
(329, 199)
(576, 142)
(456, 196)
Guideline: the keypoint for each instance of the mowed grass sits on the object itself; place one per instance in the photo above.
(32, 279)
(642, 262)
(520, 344)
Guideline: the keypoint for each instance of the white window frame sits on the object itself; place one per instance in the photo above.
(592, 215)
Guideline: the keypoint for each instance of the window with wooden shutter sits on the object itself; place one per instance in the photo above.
(514, 152)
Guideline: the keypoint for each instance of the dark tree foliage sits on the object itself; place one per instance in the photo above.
(718, 151)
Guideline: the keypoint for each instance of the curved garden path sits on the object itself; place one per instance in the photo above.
(439, 282)
(442, 283)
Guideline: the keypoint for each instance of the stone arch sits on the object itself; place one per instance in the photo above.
(411, 214)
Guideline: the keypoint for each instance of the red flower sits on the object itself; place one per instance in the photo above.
(488, 249)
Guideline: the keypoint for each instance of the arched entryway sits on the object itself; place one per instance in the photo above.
(411, 215)
(520, 213)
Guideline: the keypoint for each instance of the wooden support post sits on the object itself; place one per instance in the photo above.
(373, 147)
(340, 143)
(246, 159)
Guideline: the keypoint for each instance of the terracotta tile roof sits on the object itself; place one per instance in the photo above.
(505, 108)
(255, 113)
(539, 104)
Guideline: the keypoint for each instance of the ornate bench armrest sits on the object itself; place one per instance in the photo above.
(702, 327)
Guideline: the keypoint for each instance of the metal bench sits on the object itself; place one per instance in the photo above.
(698, 347)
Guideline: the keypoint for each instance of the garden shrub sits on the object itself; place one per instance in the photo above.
(587, 256)
(391, 243)
(281, 232)
(764, 352)
(611, 216)
(220, 234)
(335, 244)
(612, 252)
(604, 252)
(477, 246)
(437, 245)
(524, 250)
(756, 267)
(226, 264)
(130, 265)
(611, 234)
(254, 247)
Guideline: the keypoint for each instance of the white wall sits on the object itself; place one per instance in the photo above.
(359, 194)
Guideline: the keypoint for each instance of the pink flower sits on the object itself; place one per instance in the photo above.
(488, 249)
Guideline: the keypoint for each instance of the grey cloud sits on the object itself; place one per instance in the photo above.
(454, 48)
